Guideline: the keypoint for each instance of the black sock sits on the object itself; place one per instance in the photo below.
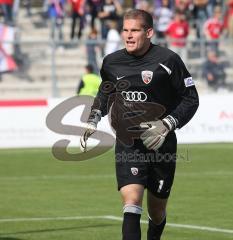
(131, 229)
(154, 231)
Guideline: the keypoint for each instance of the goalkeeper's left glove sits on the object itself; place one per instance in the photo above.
(91, 127)
(156, 131)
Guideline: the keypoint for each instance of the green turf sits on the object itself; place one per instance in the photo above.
(34, 184)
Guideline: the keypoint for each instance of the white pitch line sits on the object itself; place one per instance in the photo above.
(56, 177)
(97, 176)
(210, 229)
(114, 218)
(49, 219)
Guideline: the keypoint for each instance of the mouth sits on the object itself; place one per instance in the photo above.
(130, 43)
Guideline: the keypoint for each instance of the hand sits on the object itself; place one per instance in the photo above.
(90, 129)
(154, 135)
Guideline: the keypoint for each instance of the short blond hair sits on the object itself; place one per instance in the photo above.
(147, 20)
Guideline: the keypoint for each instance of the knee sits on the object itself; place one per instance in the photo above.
(132, 201)
(132, 195)
(157, 214)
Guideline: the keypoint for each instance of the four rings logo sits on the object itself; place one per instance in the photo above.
(134, 96)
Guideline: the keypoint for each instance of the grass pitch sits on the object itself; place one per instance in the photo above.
(36, 190)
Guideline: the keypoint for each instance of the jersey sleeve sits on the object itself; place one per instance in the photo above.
(185, 92)
(102, 100)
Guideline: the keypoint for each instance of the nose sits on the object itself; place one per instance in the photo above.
(130, 34)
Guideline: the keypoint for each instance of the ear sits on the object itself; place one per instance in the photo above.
(150, 33)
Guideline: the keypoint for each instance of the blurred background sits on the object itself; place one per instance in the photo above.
(46, 44)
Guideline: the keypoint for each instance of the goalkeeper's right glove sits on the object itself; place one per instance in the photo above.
(91, 127)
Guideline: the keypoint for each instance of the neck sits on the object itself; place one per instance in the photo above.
(144, 50)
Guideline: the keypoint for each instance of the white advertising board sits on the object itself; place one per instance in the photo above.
(213, 121)
(23, 123)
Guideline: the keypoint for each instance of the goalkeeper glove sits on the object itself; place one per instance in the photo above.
(156, 131)
(91, 127)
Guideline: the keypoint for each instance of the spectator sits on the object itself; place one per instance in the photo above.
(89, 83)
(110, 10)
(77, 12)
(163, 16)
(228, 19)
(91, 50)
(213, 71)
(7, 9)
(211, 5)
(213, 28)
(184, 6)
(158, 3)
(177, 32)
(56, 15)
(200, 14)
(113, 41)
(45, 6)
(27, 4)
(94, 6)
(144, 5)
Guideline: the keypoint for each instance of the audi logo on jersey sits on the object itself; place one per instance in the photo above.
(134, 96)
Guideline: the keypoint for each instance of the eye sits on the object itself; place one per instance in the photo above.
(135, 30)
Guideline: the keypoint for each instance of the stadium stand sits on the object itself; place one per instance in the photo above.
(49, 71)
(35, 60)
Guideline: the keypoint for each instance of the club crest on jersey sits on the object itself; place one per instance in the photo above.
(147, 76)
(134, 171)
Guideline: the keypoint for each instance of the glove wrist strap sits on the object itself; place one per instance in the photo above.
(170, 122)
(94, 117)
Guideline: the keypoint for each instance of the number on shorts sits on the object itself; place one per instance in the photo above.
(161, 182)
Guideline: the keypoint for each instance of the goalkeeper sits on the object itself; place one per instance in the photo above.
(151, 93)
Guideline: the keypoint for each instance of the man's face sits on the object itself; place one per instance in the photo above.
(135, 37)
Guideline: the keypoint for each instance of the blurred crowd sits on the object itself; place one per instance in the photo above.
(173, 18)
(174, 21)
